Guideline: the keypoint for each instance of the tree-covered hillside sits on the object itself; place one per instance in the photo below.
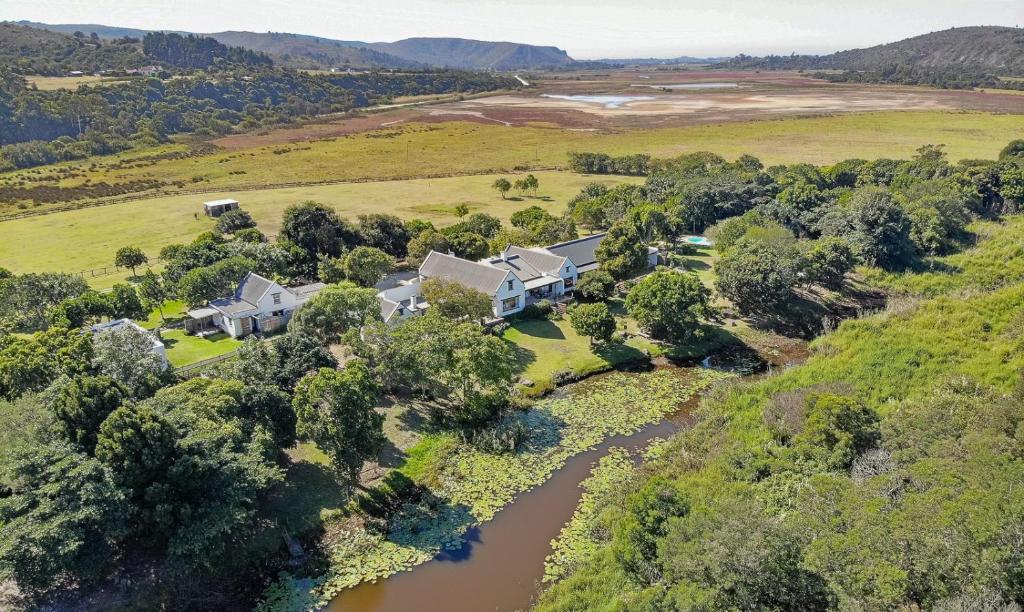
(32, 51)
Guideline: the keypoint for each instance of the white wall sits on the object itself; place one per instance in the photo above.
(504, 293)
(266, 304)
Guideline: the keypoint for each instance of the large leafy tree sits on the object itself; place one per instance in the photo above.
(335, 409)
(130, 257)
(126, 355)
(233, 221)
(82, 404)
(670, 304)
(428, 240)
(26, 298)
(622, 253)
(456, 301)
(876, 226)
(758, 276)
(595, 286)
(593, 320)
(366, 266)
(316, 231)
(32, 363)
(336, 310)
(385, 232)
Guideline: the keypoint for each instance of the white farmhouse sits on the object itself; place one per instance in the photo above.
(258, 305)
(119, 324)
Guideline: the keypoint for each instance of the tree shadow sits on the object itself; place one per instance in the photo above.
(391, 456)
(307, 489)
(696, 265)
(540, 329)
(522, 355)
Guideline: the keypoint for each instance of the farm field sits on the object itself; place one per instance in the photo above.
(415, 150)
(87, 238)
(47, 83)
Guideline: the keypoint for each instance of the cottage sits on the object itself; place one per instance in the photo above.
(259, 305)
(119, 324)
(216, 208)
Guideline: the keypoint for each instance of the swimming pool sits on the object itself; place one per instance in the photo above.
(697, 240)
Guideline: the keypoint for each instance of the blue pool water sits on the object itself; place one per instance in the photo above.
(697, 240)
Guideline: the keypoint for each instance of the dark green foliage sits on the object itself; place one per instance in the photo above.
(595, 286)
(482, 224)
(198, 51)
(758, 276)
(622, 253)
(428, 240)
(234, 221)
(82, 404)
(385, 232)
(593, 320)
(876, 227)
(366, 266)
(30, 364)
(59, 516)
(456, 301)
(601, 163)
(468, 246)
(217, 280)
(670, 304)
(272, 409)
(25, 299)
(826, 262)
(336, 310)
(317, 231)
(28, 50)
(1014, 150)
(335, 410)
(125, 303)
(130, 257)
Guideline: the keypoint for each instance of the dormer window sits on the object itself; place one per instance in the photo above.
(276, 297)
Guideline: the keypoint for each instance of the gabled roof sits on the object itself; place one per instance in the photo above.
(481, 277)
(545, 262)
(581, 251)
(253, 287)
(516, 265)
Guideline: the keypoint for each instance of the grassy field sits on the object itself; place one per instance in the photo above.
(46, 83)
(183, 350)
(544, 347)
(422, 150)
(87, 238)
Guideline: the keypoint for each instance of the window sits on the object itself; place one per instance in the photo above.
(511, 285)
(568, 282)
(510, 304)
(567, 269)
(277, 298)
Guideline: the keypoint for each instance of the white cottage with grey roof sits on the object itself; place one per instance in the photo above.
(259, 305)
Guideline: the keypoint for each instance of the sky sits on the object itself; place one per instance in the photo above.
(587, 29)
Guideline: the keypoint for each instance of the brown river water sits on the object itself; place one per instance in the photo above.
(501, 565)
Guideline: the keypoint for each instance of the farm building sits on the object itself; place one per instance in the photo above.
(259, 305)
(216, 208)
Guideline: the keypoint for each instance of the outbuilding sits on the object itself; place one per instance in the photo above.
(217, 208)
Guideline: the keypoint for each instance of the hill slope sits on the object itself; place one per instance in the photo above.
(103, 31)
(992, 48)
(475, 54)
(303, 51)
(30, 50)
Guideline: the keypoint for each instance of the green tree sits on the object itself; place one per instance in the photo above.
(331, 270)
(235, 220)
(461, 210)
(875, 225)
(836, 430)
(130, 257)
(593, 320)
(217, 280)
(153, 293)
(125, 303)
(468, 246)
(595, 286)
(82, 404)
(335, 410)
(590, 214)
(455, 300)
(670, 304)
(366, 266)
(32, 363)
(385, 232)
(317, 231)
(126, 355)
(334, 311)
(503, 186)
(421, 246)
(622, 253)
(529, 218)
(758, 276)
(826, 263)
(1015, 149)
(483, 224)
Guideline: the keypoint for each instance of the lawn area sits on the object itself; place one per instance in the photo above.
(174, 310)
(49, 83)
(544, 347)
(80, 239)
(183, 350)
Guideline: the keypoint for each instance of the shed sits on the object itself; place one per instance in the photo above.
(217, 208)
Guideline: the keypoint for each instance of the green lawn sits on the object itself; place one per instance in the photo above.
(183, 350)
(174, 311)
(544, 347)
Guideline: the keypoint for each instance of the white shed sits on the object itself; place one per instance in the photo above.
(216, 208)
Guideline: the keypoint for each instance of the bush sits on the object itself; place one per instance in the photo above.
(596, 286)
(538, 310)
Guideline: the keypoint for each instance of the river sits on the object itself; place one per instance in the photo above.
(501, 565)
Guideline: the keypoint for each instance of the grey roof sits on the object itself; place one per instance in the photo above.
(545, 262)
(306, 290)
(201, 313)
(232, 305)
(387, 308)
(516, 265)
(581, 251)
(252, 288)
(481, 277)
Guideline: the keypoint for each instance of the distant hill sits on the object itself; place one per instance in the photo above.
(304, 51)
(977, 49)
(29, 50)
(992, 48)
(476, 54)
